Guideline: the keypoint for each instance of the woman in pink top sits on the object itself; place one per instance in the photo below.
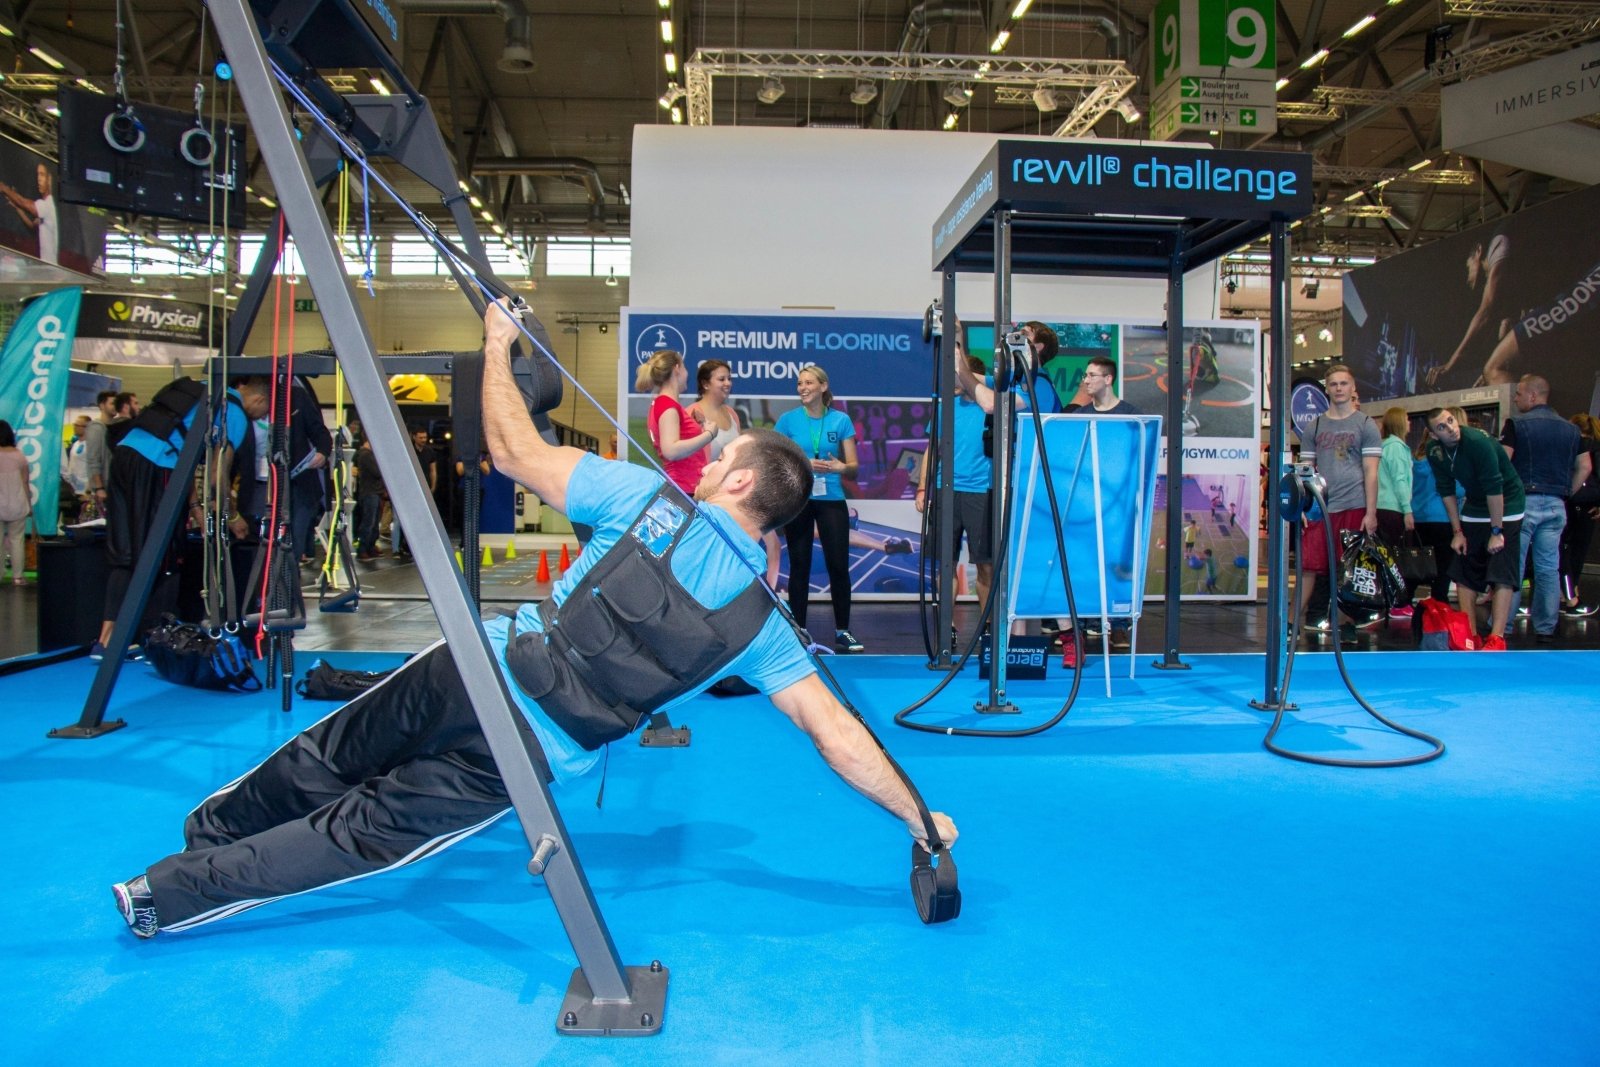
(679, 438)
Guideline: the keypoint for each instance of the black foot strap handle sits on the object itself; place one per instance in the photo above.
(934, 888)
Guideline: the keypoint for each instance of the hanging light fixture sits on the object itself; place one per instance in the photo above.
(771, 91)
(864, 93)
(958, 94)
(611, 279)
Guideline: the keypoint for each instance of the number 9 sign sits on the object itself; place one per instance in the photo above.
(1211, 38)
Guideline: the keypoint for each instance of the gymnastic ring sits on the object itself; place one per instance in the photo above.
(202, 156)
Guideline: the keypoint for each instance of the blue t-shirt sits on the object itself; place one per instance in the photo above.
(1049, 402)
(972, 467)
(165, 453)
(819, 439)
(609, 496)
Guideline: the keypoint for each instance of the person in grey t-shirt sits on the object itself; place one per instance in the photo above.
(1345, 446)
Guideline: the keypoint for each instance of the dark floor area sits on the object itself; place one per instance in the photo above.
(395, 616)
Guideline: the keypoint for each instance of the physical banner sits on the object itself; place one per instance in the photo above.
(34, 365)
(145, 331)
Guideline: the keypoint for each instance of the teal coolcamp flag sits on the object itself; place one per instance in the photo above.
(33, 392)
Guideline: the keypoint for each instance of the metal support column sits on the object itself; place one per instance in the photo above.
(944, 489)
(1000, 481)
(1277, 461)
(169, 512)
(1175, 382)
(602, 997)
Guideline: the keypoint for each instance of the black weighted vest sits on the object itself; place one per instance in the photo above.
(630, 638)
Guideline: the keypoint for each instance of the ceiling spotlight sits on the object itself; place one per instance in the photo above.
(1232, 285)
(677, 115)
(1324, 334)
(1300, 339)
(1129, 111)
(864, 93)
(674, 93)
(771, 91)
(1044, 98)
(1311, 288)
(958, 95)
(611, 279)
(605, 327)
(951, 120)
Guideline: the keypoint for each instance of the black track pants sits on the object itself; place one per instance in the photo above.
(392, 777)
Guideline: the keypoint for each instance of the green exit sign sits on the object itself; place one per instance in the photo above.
(305, 305)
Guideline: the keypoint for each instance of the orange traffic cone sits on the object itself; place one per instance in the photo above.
(566, 560)
(543, 574)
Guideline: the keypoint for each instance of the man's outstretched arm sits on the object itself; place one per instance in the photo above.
(514, 444)
(854, 756)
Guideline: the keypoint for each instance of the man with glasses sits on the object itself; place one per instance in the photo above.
(1099, 383)
(1484, 523)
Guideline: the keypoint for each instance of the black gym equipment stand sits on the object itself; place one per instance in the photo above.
(1093, 208)
(603, 997)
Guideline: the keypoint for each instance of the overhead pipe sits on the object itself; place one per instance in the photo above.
(517, 55)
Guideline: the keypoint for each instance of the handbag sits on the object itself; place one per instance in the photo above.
(1419, 563)
(186, 654)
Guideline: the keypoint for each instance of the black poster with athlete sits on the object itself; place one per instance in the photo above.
(1517, 296)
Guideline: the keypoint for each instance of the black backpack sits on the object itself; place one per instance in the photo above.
(163, 417)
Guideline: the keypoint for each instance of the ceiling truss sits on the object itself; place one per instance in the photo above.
(1099, 84)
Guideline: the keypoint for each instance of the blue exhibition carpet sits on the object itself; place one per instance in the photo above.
(1143, 885)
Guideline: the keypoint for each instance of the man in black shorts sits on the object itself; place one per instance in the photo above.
(1484, 523)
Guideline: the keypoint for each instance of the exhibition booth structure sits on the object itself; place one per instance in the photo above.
(1091, 208)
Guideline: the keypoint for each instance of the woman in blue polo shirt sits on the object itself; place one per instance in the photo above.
(829, 438)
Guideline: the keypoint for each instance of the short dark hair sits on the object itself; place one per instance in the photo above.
(1105, 363)
(1434, 413)
(703, 373)
(123, 400)
(783, 477)
(1047, 338)
(103, 395)
(8, 439)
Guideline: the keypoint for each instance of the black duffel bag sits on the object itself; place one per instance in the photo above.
(327, 682)
(186, 654)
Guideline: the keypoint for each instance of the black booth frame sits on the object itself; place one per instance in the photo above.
(1014, 215)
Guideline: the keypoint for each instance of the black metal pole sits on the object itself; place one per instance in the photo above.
(1175, 381)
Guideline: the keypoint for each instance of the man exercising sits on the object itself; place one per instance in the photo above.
(664, 601)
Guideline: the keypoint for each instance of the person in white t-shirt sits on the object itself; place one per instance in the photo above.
(39, 214)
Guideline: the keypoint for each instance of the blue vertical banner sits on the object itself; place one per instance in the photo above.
(34, 367)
